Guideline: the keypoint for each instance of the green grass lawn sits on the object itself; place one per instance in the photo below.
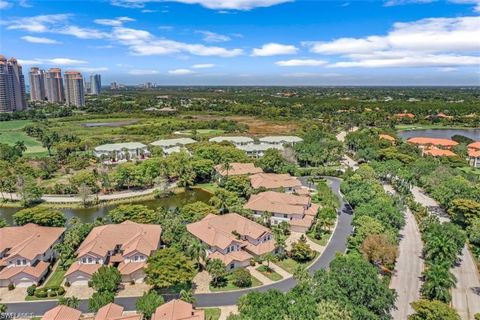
(231, 286)
(210, 187)
(204, 132)
(212, 313)
(323, 241)
(11, 132)
(270, 274)
(56, 278)
(291, 265)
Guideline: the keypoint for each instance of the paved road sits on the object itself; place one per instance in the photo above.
(409, 266)
(104, 197)
(337, 244)
(466, 294)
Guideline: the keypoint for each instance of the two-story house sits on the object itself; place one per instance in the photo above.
(126, 246)
(26, 253)
(298, 211)
(474, 154)
(236, 169)
(232, 238)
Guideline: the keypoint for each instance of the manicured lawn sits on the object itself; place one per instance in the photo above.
(291, 265)
(231, 286)
(210, 187)
(212, 313)
(272, 275)
(56, 278)
(323, 241)
(11, 132)
(204, 132)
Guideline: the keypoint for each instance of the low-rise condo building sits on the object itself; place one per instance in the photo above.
(237, 169)
(236, 140)
(274, 181)
(178, 310)
(298, 211)
(126, 246)
(170, 146)
(121, 152)
(474, 154)
(232, 238)
(427, 143)
(280, 140)
(26, 253)
(258, 150)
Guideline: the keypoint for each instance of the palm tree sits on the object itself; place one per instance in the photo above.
(438, 282)
(226, 166)
(197, 251)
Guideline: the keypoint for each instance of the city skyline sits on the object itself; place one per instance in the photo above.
(251, 42)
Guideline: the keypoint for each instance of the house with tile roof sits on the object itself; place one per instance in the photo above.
(62, 312)
(237, 169)
(178, 310)
(387, 137)
(274, 181)
(435, 152)
(426, 142)
(26, 253)
(114, 311)
(474, 154)
(232, 238)
(126, 246)
(298, 211)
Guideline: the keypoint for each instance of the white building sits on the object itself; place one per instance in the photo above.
(121, 152)
(236, 140)
(170, 146)
(280, 140)
(258, 150)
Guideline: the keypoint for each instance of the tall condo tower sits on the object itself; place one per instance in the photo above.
(74, 90)
(54, 86)
(37, 84)
(12, 86)
(95, 84)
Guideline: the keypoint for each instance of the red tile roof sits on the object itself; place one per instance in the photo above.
(178, 310)
(474, 145)
(439, 153)
(62, 312)
(432, 141)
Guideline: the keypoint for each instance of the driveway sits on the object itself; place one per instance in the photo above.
(338, 243)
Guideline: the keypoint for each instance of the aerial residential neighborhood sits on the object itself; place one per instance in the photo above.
(239, 160)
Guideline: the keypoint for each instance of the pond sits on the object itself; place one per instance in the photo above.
(441, 133)
(112, 124)
(90, 214)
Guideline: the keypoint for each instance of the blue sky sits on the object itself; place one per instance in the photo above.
(249, 42)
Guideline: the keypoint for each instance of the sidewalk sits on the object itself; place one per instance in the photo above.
(257, 274)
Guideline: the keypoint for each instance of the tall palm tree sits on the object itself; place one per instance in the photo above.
(197, 251)
(438, 282)
(226, 166)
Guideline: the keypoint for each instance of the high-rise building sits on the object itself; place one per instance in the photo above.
(37, 84)
(54, 86)
(74, 90)
(113, 86)
(12, 86)
(4, 94)
(95, 84)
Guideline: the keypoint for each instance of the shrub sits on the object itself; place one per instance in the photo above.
(67, 284)
(301, 251)
(52, 293)
(11, 286)
(61, 291)
(40, 294)
(31, 290)
(252, 262)
(242, 278)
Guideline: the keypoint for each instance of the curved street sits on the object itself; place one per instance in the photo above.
(336, 244)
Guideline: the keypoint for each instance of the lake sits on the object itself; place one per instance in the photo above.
(441, 133)
(90, 214)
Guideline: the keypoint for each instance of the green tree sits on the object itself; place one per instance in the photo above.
(148, 303)
(28, 190)
(71, 302)
(197, 251)
(106, 279)
(196, 211)
(432, 310)
(100, 299)
(332, 310)
(3, 223)
(217, 271)
(133, 212)
(438, 282)
(187, 296)
(463, 211)
(242, 278)
(48, 139)
(270, 305)
(169, 267)
(301, 251)
(273, 161)
(40, 215)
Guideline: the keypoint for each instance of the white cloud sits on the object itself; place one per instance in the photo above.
(54, 61)
(301, 63)
(209, 36)
(117, 22)
(273, 49)
(5, 4)
(142, 72)
(41, 23)
(83, 33)
(447, 69)
(210, 4)
(24, 4)
(203, 66)
(391, 3)
(143, 43)
(39, 40)
(440, 42)
(148, 11)
(92, 69)
(180, 72)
